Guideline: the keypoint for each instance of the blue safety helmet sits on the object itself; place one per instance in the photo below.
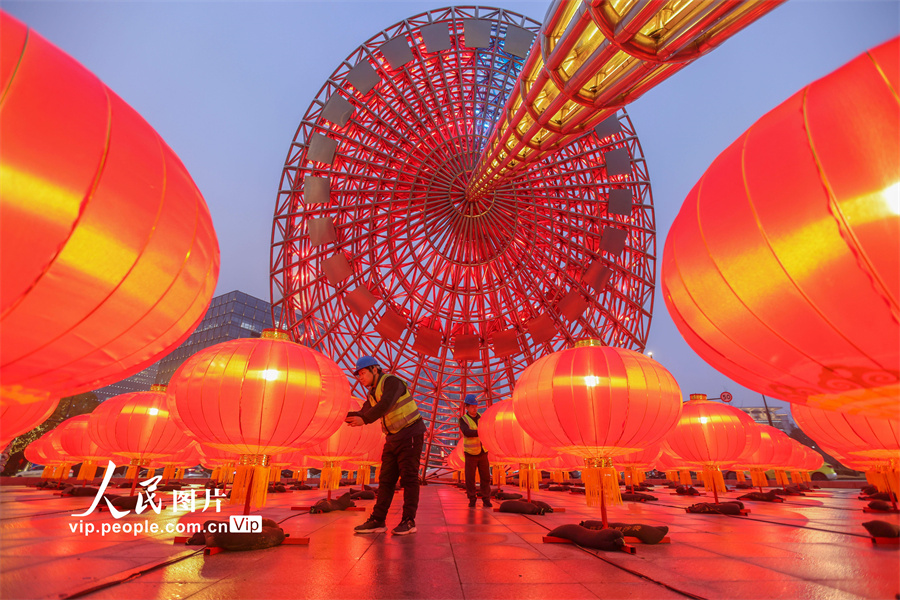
(470, 399)
(364, 362)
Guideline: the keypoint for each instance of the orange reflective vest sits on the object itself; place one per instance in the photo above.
(402, 413)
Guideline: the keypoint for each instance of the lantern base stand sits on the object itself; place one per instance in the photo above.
(210, 550)
(886, 541)
(348, 509)
(875, 510)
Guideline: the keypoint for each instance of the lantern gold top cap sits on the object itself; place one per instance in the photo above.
(158, 387)
(698, 397)
(275, 334)
(588, 342)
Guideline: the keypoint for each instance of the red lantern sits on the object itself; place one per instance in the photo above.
(344, 444)
(856, 435)
(258, 397)
(561, 465)
(219, 461)
(41, 451)
(501, 434)
(774, 449)
(712, 435)
(597, 402)
(172, 464)
(364, 463)
(18, 417)
(782, 269)
(635, 464)
(108, 258)
(74, 440)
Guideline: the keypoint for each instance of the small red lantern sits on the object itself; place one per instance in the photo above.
(597, 402)
(344, 444)
(501, 434)
(635, 464)
(561, 465)
(74, 440)
(108, 258)
(712, 435)
(782, 269)
(256, 398)
(41, 451)
(774, 449)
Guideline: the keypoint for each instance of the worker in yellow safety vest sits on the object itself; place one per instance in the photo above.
(391, 401)
(476, 455)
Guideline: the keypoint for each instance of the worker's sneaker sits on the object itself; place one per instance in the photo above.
(487, 503)
(371, 526)
(472, 503)
(405, 527)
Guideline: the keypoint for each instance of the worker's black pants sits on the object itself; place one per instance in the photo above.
(480, 462)
(399, 460)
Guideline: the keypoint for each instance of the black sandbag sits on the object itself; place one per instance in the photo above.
(648, 534)
(71, 490)
(606, 539)
(869, 490)
(880, 505)
(577, 490)
(169, 488)
(882, 529)
(769, 496)
(326, 506)
(363, 495)
(507, 496)
(743, 485)
(127, 484)
(637, 497)
(671, 484)
(557, 488)
(793, 490)
(543, 505)
(880, 496)
(300, 486)
(724, 508)
(544, 486)
(521, 507)
(277, 488)
(686, 490)
(128, 502)
(271, 535)
(368, 488)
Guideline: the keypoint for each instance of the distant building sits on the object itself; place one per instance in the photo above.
(780, 419)
(230, 316)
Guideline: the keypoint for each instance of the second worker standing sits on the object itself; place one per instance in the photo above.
(476, 455)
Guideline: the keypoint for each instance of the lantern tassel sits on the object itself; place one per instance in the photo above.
(503, 475)
(330, 479)
(377, 471)
(741, 478)
(781, 477)
(495, 476)
(46, 472)
(251, 485)
(88, 470)
(685, 477)
(168, 473)
(600, 478)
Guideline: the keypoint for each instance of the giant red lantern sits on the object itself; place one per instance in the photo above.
(108, 258)
(17, 417)
(597, 402)
(712, 435)
(502, 435)
(344, 444)
(258, 397)
(782, 269)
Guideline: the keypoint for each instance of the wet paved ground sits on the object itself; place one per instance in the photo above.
(810, 547)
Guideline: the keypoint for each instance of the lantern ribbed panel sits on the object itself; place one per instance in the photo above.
(782, 269)
(709, 433)
(137, 425)
(855, 435)
(774, 449)
(348, 442)
(259, 396)
(108, 258)
(502, 435)
(187, 457)
(456, 459)
(214, 457)
(633, 401)
(17, 418)
(563, 462)
(41, 451)
(75, 440)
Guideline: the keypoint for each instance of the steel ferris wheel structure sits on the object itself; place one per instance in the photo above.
(381, 247)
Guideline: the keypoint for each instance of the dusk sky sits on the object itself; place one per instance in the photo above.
(227, 83)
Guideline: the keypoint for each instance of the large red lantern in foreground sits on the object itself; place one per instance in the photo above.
(712, 435)
(258, 397)
(782, 269)
(502, 435)
(597, 402)
(108, 258)
(18, 417)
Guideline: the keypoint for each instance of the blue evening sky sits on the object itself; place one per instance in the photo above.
(227, 83)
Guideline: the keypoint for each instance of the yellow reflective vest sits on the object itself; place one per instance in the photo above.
(471, 445)
(402, 413)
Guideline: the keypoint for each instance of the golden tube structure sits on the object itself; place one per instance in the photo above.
(591, 58)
